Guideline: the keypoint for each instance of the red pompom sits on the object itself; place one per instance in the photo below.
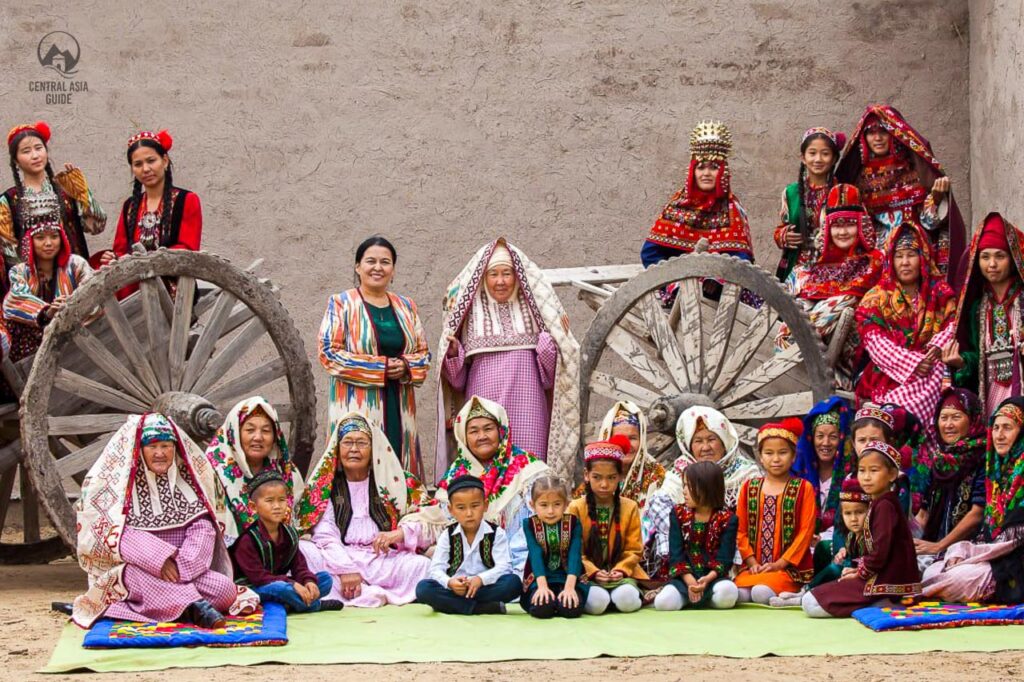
(43, 128)
(622, 442)
(841, 141)
(793, 425)
(165, 140)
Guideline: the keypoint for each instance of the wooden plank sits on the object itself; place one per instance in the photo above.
(6, 492)
(181, 323)
(630, 321)
(763, 375)
(842, 329)
(747, 434)
(664, 339)
(111, 366)
(689, 332)
(82, 424)
(721, 332)
(157, 330)
(10, 455)
(82, 459)
(245, 384)
(627, 348)
(29, 509)
(789, 405)
(657, 443)
(615, 388)
(14, 375)
(736, 358)
(208, 338)
(223, 361)
(94, 391)
(592, 274)
(130, 345)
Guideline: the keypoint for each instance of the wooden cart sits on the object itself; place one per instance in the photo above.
(221, 337)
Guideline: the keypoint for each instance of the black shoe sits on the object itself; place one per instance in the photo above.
(331, 605)
(61, 607)
(491, 608)
(203, 614)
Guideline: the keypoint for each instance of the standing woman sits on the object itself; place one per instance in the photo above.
(36, 184)
(157, 213)
(373, 346)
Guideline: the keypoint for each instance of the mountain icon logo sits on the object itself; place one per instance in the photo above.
(59, 51)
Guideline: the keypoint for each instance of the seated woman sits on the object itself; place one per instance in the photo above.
(644, 474)
(249, 441)
(502, 320)
(991, 568)
(41, 284)
(151, 491)
(905, 322)
(703, 435)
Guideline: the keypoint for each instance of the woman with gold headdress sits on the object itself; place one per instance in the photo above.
(644, 474)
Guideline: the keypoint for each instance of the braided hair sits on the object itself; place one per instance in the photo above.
(136, 198)
(593, 546)
(12, 150)
(802, 221)
(342, 501)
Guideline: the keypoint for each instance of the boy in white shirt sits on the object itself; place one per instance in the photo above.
(471, 571)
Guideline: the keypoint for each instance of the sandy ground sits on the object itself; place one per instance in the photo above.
(29, 631)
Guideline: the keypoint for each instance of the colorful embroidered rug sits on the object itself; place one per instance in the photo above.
(930, 615)
(413, 634)
(263, 628)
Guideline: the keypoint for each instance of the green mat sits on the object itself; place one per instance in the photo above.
(414, 634)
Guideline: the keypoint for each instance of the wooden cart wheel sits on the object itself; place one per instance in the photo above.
(703, 352)
(223, 336)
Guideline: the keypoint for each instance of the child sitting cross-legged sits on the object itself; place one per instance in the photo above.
(553, 580)
(471, 570)
(702, 541)
(266, 556)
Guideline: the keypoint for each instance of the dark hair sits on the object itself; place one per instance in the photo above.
(136, 200)
(12, 149)
(706, 481)
(593, 548)
(859, 424)
(802, 221)
(375, 240)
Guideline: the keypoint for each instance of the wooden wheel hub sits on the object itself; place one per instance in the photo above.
(665, 411)
(192, 412)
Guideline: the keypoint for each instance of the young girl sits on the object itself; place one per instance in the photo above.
(899, 428)
(889, 565)
(703, 544)
(802, 201)
(612, 545)
(554, 584)
(777, 515)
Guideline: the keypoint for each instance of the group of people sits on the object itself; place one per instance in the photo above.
(915, 465)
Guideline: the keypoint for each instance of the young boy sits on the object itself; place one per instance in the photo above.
(267, 557)
(471, 571)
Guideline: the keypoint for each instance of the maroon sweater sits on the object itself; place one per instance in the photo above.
(265, 561)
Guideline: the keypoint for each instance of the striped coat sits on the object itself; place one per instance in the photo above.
(22, 303)
(349, 352)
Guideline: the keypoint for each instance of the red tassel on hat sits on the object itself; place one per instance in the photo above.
(165, 140)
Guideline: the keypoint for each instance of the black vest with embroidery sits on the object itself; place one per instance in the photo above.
(457, 553)
(168, 233)
(265, 548)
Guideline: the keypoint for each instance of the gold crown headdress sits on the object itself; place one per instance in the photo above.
(710, 141)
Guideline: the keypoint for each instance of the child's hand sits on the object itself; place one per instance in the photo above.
(472, 585)
(602, 577)
(314, 592)
(351, 585)
(840, 556)
(542, 596)
(169, 571)
(615, 575)
(696, 592)
(848, 573)
(569, 598)
(303, 593)
(754, 567)
(708, 579)
(458, 586)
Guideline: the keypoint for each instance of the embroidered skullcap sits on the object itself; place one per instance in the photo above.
(896, 457)
(876, 413)
(352, 425)
(264, 477)
(162, 138)
(157, 428)
(852, 492)
(478, 410)
(789, 429)
(1011, 412)
(499, 256)
(825, 419)
(625, 418)
(993, 235)
(908, 239)
(465, 482)
(838, 139)
(41, 128)
(613, 449)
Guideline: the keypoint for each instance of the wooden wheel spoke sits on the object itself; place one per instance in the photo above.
(690, 332)
(111, 366)
(211, 294)
(208, 338)
(657, 443)
(246, 383)
(95, 392)
(83, 458)
(789, 405)
(231, 353)
(747, 434)
(617, 389)
(737, 358)
(81, 424)
(29, 509)
(775, 367)
(9, 455)
(627, 348)
(664, 339)
(181, 323)
(721, 332)
(156, 329)
(122, 329)
(6, 491)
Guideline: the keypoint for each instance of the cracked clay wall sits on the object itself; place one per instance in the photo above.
(305, 127)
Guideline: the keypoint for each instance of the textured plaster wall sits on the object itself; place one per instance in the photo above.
(997, 107)
(563, 125)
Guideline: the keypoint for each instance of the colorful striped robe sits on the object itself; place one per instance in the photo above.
(22, 303)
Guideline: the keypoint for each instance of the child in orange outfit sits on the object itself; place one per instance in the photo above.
(777, 516)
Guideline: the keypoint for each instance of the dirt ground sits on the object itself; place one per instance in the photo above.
(29, 631)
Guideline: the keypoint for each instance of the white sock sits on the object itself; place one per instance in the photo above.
(669, 599)
(812, 608)
(761, 594)
(597, 600)
(627, 598)
(724, 594)
(743, 596)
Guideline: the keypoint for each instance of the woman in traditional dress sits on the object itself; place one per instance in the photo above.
(148, 536)
(505, 338)
(356, 496)
(644, 474)
(991, 569)
(905, 322)
(955, 499)
(157, 214)
(41, 285)
(803, 200)
(249, 441)
(986, 356)
(373, 346)
(902, 181)
(37, 189)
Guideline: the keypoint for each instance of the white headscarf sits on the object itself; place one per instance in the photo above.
(736, 467)
(643, 462)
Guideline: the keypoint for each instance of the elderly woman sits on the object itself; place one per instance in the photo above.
(703, 434)
(504, 321)
(356, 495)
(249, 441)
(151, 491)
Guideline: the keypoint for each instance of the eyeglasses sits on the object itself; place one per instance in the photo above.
(354, 444)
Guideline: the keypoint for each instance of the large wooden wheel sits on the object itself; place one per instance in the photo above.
(701, 352)
(222, 336)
